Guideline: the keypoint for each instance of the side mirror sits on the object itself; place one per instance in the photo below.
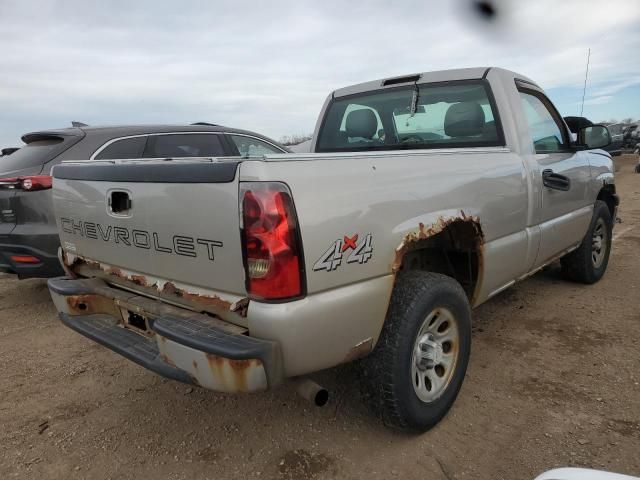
(595, 136)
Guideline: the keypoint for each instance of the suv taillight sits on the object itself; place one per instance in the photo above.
(29, 184)
(271, 242)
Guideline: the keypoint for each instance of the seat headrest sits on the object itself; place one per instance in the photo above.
(361, 123)
(464, 119)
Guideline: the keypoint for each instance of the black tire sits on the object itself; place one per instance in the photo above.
(580, 264)
(388, 373)
(638, 168)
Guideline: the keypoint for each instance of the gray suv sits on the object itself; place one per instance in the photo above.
(28, 234)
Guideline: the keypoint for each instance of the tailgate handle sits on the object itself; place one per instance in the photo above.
(119, 202)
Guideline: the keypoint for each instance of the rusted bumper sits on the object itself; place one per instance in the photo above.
(174, 342)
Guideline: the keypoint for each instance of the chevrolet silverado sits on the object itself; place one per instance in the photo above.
(424, 196)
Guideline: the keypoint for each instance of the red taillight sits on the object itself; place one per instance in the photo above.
(272, 251)
(24, 259)
(29, 184)
(37, 182)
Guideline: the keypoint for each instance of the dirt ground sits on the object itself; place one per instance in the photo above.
(553, 381)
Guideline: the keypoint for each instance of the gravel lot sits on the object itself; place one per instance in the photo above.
(554, 380)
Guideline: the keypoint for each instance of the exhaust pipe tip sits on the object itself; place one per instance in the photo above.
(321, 398)
(312, 392)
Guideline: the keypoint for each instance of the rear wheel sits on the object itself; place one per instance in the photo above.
(416, 370)
(589, 261)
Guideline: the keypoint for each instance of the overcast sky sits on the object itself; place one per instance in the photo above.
(268, 66)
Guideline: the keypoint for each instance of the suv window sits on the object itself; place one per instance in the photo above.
(35, 153)
(452, 114)
(125, 148)
(184, 145)
(543, 125)
(252, 147)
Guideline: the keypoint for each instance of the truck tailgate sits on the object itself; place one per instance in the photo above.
(172, 225)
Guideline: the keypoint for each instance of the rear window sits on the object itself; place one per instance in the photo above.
(184, 145)
(33, 154)
(125, 148)
(418, 116)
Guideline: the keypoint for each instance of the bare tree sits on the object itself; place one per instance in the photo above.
(628, 120)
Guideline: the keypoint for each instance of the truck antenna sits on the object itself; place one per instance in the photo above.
(585, 81)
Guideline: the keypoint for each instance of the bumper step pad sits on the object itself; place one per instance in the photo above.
(199, 334)
(183, 345)
(105, 330)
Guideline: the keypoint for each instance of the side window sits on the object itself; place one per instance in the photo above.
(545, 130)
(125, 148)
(252, 147)
(184, 145)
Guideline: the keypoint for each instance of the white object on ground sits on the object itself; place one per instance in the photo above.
(581, 474)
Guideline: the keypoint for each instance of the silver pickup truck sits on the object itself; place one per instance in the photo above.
(425, 196)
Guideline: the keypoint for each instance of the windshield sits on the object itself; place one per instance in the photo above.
(417, 116)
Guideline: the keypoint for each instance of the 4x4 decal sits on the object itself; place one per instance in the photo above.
(355, 250)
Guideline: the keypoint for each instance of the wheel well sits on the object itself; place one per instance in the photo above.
(455, 251)
(608, 195)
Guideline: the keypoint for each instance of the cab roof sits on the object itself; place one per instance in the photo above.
(475, 73)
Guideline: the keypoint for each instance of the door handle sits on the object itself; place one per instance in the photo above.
(555, 180)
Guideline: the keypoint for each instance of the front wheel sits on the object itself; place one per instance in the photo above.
(588, 262)
(415, 372)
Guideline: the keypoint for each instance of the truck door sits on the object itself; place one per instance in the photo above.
(561, 176)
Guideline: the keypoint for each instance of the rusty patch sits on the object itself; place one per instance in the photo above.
(360, 350)
(240, 307)
(167, 360)
(212, 300)
(115, 271)
(237, 373)
(75, 260)
(434, 229)
(91, 304)
(139, 280)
